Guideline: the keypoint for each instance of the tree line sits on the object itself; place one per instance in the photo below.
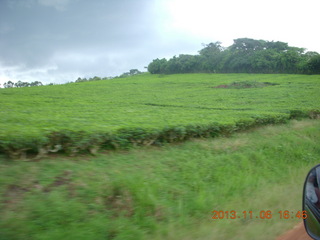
(245, 55)
(131, 72)
(19, 84)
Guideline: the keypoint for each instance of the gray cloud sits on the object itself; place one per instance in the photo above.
(37, 32)
(51, 38)
(59, 5)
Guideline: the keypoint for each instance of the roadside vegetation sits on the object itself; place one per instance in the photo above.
(163, 193)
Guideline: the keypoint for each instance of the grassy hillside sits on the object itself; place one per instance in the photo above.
(151, 192)
(163, 193)
(146, 109)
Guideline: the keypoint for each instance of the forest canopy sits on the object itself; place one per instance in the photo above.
(245, 55)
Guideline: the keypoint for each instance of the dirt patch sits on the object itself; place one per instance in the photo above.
(121, 203)
(298, 125)
(297, 233)
(13, 195)
(64, 178)
(222, 86)
(247, 84)
(224, 144)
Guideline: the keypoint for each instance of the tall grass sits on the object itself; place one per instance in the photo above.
(163, 193)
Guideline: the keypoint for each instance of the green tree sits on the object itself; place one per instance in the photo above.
(36, 83)
(211, 57)
(264, 61)
(8, 84)
(134, 72)
(245, 55)
(314, 64)
(158, 66)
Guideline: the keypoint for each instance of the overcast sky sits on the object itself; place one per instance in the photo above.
(61, 40)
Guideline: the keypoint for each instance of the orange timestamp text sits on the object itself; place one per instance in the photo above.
(263, 214)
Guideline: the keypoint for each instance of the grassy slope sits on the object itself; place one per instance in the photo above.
(152, 101)
(162, 193)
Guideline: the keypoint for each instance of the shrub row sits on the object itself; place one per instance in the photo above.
(74, 142)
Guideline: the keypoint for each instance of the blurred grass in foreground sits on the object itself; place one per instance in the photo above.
(163, 193)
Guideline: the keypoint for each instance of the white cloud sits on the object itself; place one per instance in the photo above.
(21, 73)
(290, 21)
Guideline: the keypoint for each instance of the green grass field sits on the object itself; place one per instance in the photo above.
(154, 192)
(164, 192)
(145, 109)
